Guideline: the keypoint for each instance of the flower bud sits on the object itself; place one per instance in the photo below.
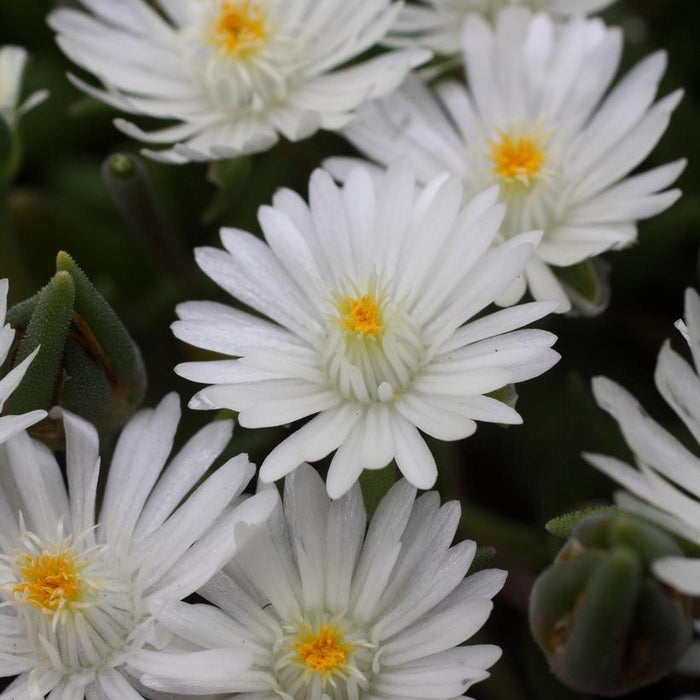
(87, 362)
(605, 624)
(132, 191)
(12, 62)
(586, 284)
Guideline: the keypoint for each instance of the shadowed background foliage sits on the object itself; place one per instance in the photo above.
(510, 481)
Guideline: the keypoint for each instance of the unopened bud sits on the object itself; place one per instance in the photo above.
(604, 622)
(586, 284)
(12, 62)
(132, 191)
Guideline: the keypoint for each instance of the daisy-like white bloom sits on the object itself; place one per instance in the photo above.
(665, 485)
(235, 74)
(537, 121)
(76, 587)
(11, 425)
(12, 61)
(369, 289)
(332, 613)
(437, 24)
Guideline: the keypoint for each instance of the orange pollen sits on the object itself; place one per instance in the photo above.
(239, 28)
(323, 651)
(517, 158)
(50, 581)
(361, 316)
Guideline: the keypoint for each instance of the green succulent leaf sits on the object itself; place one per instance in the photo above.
(48, 328)
(604, 622)
(105, 335)
(563, 525)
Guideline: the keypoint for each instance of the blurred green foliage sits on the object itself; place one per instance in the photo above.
(510, 481)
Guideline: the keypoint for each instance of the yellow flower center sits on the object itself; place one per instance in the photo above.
(49, 581)
(323, 651)
(518, 157)
(239, 28)
(361, 316)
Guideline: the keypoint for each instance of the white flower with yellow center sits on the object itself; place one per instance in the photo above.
(665, 485)
(12, 62)
(235, 74)
(76, 586)
(369, 290)
(537, 121)
(437, 24)
(331, 611)
(11, 425)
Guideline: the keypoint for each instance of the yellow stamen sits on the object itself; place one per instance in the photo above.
(50, 581)
(520, 157)
(361, 316)
(323, 651)
(239, 28)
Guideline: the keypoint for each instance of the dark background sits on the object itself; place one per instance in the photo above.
(510, 481)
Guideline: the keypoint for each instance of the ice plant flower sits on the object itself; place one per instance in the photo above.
(234, 74)
(76, 586)
(12, 61)
(369, 289)
(437, 24)
(11, 425)
(331, 612)
(665, 485)
(537, 121)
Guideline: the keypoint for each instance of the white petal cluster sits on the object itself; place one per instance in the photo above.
(665, 485)
(372, 290)
(437, 24)
(331, 612)
(11, 425)
(77, 579)
(12, 61)
(539, 120)
(235, 74)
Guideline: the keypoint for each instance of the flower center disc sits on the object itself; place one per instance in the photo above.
(323, 651)
(518, 158)
(361, 316)
(50, 581)
(239, 28)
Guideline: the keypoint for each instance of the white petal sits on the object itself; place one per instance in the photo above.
(315, 440)
(83, 468)
(413, 457)
(680, 573)
(138, 460)
(209, 665)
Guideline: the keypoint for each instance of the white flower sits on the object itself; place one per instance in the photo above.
(369, 289)
(11, 425)
(235, 74)
(665, 486)
(12, 60)
(329, 612)
(437, 24)
(76, 587)
(536, 121)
